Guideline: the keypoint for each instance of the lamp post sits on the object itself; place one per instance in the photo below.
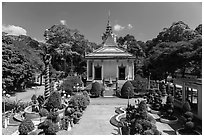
(6, 120)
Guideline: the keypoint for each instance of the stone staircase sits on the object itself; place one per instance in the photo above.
(109, 91)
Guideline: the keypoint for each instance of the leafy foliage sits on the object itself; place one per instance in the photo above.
(140, 84)
(69, 83)
(25, 127)
(53, 101)
(127, 90)
(67, 47)
(20, 61)
(80, 101)
(96, 89)
(177, 48)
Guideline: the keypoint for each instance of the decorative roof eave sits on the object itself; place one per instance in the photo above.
(109, 57)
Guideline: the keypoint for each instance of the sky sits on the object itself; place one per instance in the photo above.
(142, 20)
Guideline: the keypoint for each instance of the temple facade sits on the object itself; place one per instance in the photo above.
(110, 62)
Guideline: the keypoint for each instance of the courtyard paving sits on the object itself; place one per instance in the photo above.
(96, 118)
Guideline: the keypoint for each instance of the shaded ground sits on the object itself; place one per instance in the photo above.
(26, 96)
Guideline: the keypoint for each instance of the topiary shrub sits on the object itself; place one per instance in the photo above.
(142, 107)
(96, 89)
(34, 99)
(53, 101)
(25, 127)
(54, 117)
(169, 106)
(127, 90)
(189, 126)
(79, 100)
(52, 129)
(140, 84)
(43, 112)
(186, 107)
(188, 116)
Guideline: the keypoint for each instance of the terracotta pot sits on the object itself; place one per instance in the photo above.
(179, 132)
(167, 121)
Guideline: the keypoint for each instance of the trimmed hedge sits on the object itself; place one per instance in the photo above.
(127, 88)
(25, 127)
(96, 89)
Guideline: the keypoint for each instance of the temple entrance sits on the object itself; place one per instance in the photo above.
(121, 73)
(98, 73)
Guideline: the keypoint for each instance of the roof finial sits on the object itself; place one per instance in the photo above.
(108, 17)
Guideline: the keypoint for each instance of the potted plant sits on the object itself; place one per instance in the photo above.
(25, 127)
(156, 105)
(168, 117)
(189, 129)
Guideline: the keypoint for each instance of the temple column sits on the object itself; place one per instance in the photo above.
(87, 66)
(133, 70)
(93, 71)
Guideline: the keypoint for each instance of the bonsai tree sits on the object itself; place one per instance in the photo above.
(169, 106)
(48, 127)
(52, 129)
(189, 127)
(186, 107)
(54, 117)
(127, 90)
(80, 101)
(34, 99)
(25, 127)
(53, 101)
(157, 104)
(162, 88)
(96, 89)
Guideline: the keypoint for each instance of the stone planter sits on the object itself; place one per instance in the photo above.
(172, 120)
(154, 111)
(181, 131)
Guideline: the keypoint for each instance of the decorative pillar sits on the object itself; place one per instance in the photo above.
(47, 77)
(87, 70)
(93, 71)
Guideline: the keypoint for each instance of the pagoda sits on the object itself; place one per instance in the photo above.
(109, 62)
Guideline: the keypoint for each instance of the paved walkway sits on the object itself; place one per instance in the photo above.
(96, 118)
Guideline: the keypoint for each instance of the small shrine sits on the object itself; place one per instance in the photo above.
(110, 62)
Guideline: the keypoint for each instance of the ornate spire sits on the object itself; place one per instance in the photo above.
(108, 29)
